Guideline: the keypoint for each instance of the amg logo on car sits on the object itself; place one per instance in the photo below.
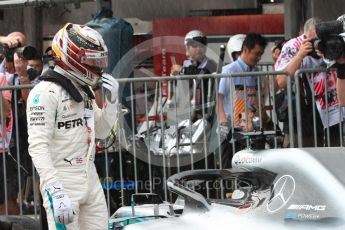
(308, 207)
(70, 124)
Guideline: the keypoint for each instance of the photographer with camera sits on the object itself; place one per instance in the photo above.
(19, 141)
(331, 46)
(13, 40)
(9, 43)
(300, 53)
(197, 62)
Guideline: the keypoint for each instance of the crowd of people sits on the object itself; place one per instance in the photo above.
(238, 98)
(20, 65)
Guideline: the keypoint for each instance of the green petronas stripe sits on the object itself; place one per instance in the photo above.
(57, 225)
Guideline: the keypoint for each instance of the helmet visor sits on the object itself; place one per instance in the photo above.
(95, 59)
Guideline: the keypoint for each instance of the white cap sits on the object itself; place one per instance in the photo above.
(191, 35)
(235, 44)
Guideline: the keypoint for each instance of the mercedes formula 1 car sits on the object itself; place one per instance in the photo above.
(268, 189)
(144, 207)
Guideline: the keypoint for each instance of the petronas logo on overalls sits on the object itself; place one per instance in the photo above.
(36, 99)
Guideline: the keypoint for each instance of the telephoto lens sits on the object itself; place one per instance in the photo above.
(334, 47)
(27, 52)
(324, 29)
(331, 44)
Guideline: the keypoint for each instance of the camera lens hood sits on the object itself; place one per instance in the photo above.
(325, 29)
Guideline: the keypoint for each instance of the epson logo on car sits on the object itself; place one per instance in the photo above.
(70, 124)
(308, 207)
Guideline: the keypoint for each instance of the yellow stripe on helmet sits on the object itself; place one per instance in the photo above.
(60, 35)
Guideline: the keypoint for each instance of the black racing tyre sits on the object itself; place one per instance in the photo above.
(18, 223)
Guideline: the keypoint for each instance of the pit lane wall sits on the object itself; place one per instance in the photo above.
(175, 133)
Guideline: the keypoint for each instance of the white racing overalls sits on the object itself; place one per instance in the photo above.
(62, 136)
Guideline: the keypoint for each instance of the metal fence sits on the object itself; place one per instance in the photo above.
(167, 146)
(323, 105)
(15, 157)
(178, 131)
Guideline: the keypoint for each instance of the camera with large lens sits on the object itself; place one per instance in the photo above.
(26, 52)
(329, 42)
(316, 46)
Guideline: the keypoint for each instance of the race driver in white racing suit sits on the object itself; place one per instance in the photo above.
(63, 122)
